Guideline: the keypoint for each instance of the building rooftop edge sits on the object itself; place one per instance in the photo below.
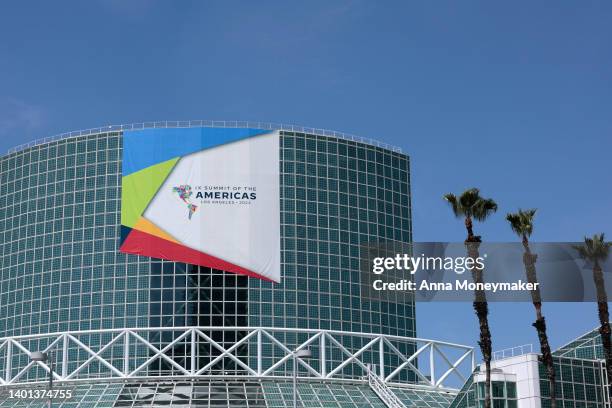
(204, 123)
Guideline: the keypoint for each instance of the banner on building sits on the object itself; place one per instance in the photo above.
(204, 196)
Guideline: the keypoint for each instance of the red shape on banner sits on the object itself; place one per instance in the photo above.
(141, 243)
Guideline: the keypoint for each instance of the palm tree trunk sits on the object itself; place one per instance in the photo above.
(481, 308)
(482, 312)
(547, 358)
(529, 260)
(604, 320)
(470, 229)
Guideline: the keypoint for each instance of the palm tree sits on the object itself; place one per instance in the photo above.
(595, 250)
(521, 223)
(471, 206)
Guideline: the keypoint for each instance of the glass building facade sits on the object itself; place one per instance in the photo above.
(60, 227)
(580, 380)
(61, 271)
(578, 383)
(580, 374)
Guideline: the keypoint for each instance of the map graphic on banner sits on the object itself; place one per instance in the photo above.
(204, 196)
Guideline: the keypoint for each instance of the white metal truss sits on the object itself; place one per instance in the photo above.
(255, 352)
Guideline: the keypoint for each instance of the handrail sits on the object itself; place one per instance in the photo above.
(387, 395)
(205, 123)
(513, 351)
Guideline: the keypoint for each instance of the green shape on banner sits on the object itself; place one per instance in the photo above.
(139, 188)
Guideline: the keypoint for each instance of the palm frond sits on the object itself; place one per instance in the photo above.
(471, 204)
(521, 222)
(483, 208)
(595, 249)
(468, 200)
(451, 199)
(515, 223)
(528, 216)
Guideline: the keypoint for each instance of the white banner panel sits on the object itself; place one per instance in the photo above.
(223, 203)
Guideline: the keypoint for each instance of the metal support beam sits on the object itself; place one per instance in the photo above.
(381, 356)
(9, 360)
(65, 356)
(259, 346)
(323, 354)
(129, 353)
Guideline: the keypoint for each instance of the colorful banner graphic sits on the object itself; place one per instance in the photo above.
(204, 196)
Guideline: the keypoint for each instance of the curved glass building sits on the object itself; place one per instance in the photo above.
(150, 330)
(60, 208)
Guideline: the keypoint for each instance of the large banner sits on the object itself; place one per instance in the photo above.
(204, 196)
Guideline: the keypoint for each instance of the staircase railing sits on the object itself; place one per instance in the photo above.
(384, 393)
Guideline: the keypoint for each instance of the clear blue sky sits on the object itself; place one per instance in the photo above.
(515, 98)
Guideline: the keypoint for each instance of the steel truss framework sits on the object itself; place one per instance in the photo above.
(203, 352)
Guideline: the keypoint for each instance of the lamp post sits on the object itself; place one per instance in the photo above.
(302, 354)
(42, 357)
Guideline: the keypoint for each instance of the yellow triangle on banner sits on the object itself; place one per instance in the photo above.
(147, 226)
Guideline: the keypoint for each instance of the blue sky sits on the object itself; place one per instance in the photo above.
(515, 98)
